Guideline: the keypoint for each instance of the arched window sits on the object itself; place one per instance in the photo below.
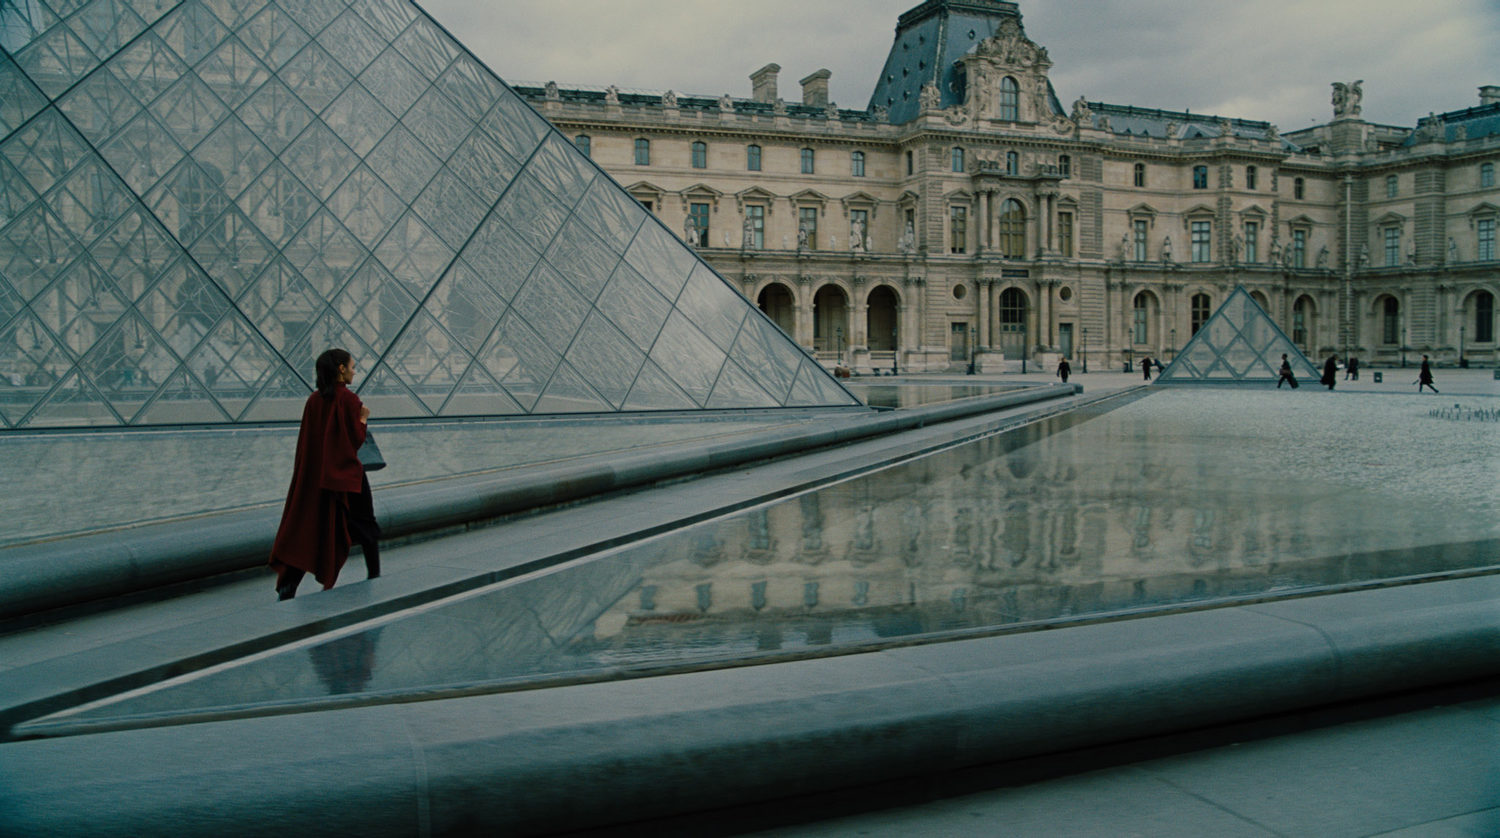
(1250, 177)
(752, 158)
(1484, 317)
(1141, 323)
(1391, 321)
(807, 161)
(958, 159)
(1012, 163)
(1200, 177)
(642, 151)
(1010, 99)
(1200, 312)
(584, 144)
(1140, 174)
(1065, 165)
(1012, 241)
(857, 163)
(700, 155)
(1300, 313)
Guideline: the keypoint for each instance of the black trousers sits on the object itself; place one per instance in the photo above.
(364, 530)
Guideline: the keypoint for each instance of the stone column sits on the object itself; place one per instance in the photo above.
(804, 327)
(1044, 300)
(982, 223)
(992, 224)
(982, 288)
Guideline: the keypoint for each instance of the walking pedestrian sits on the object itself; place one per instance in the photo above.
(1352, 370)
(1146, 367)
(1286, 373)
(1424, 376)
(1064, 370)
(1330, 371)
(328, 504)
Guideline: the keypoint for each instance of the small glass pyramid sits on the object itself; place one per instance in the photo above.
(197, 198)
(1240, 343)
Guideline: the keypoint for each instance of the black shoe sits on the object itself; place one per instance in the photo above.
(285, 592)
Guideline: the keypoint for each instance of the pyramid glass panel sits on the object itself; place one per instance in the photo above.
(1239, 343)
(197, 198)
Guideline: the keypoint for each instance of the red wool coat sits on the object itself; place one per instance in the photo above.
(314, 533)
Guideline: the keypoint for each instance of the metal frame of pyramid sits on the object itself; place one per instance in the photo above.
(198, 197)
(1239, 344)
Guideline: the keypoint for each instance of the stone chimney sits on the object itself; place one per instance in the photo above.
(815, 89)
(1489, 94)
(763, 84)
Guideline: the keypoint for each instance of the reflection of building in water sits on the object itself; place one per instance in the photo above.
(1018, 527)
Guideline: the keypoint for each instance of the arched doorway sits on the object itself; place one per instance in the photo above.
(1479, 320)
(1304, 323)
(777, 302)
(830, 322)
(881, 322)
(1143, 313)
(1011, 322)
(1012, 240)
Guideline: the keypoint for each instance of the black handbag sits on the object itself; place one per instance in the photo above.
(369, 454)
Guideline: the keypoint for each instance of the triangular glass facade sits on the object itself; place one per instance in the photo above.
(1239, 343)
(197, 198)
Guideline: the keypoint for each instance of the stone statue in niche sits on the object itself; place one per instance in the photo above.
(856, 235)
(1323, 257)
(908, 242)
(669, 99)
(1364, 256)
(1346, 99)
(786, 242)
(801, 238)
(1124, 246)
(1236, 247)
(1452, 251)
(1275, 250)
(689, 231)
(1166, 249)
(747, 233)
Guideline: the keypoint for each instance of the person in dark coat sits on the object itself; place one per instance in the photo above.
(1286, 374)
(328, 505)
(1330, 371)
(1146, 367)
(1424, 376)
(1352, 370)
(1064, 369)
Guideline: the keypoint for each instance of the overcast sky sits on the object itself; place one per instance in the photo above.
(1255, 59)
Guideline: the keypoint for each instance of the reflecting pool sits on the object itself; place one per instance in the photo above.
(1176, 499)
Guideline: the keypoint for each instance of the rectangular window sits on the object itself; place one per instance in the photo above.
(752, 158)
(1487, 175)
(757, 215)
(699, 213)
(958, 225)
(700, 155)
(1299, 248)
(1299, 188)
(642, 152)
(1252, 237)
(1390, 186)
(807, 220)
(584, 144)
(910, 165)
(1202, 233)
(1200, 177)
(1065, 166)
(1140, 174)
(807, 161)
(1065, 233)
(1140, 239)
(1392, 246)
(1250, 177)
(958, 159)
(857, 164)
(1486, 249)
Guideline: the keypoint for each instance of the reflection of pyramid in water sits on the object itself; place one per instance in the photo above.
(1239, 342)
(197, 198)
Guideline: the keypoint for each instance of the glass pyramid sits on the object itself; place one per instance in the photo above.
(197, 198)
(1239, 343)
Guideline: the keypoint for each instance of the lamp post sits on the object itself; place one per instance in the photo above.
(1173, 348)
(1085, 349)
(1461, 346)
(895, 351)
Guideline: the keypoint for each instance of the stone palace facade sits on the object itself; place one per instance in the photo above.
(967, 217)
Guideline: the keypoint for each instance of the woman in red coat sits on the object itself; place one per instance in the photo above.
(328, 505)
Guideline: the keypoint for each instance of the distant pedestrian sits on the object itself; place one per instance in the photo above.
(1330, 371)
(1146, 367)
(1286, 374)
(328, 505)
(1064, 370)
(1352, 370)
(1424, 376)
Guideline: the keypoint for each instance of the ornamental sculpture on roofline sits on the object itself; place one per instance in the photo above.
(1346, 98)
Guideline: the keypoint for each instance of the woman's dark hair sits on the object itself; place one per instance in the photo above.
(328, 370)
